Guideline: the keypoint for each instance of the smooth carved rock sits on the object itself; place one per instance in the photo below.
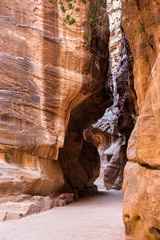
(110, 134)
(79, 159)
(113, 172)
(141, 182)
(37, 93)
(45, 73)
(14, 180)
(111, 146)
(141, 202)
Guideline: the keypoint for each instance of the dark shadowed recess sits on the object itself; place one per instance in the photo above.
(80, 160)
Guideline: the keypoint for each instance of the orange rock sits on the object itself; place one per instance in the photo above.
(141, 179)
(45, 74)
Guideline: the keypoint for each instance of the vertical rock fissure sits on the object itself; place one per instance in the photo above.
(111, 133)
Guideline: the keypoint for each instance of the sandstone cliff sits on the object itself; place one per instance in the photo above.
(51, 89)
(141, 24)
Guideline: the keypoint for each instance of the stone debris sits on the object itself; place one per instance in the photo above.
(16, 210)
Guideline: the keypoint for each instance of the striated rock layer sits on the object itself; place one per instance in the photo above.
(45, 74)
(110, 143)
(141, 179)
(110, 134)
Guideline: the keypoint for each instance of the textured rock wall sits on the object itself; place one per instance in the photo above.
(45, 73)
(110, 134)
(36, 67)
(141, 179)
(105, 136)
(78, 158)
(127, 99)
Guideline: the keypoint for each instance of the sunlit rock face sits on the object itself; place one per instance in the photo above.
(141, 209)
(45, 74)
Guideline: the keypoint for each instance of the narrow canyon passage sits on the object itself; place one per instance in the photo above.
(79, 110)
(98, 217)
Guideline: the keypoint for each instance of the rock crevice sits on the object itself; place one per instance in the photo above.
(111, 133)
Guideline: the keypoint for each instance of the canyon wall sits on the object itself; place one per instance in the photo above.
(111, 133)
(51, 88)
(141, 207)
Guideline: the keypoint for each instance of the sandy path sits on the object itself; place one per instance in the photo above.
(93, 218)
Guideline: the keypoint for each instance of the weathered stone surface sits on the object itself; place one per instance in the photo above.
(105, 136)
(110, 134)
(142, 177)
(46, 76)
(79, 159)
(47, 178)
(14, 181)
(37, 98)
(125, 89)
(16, 207)
(63, 199)
(141, 212)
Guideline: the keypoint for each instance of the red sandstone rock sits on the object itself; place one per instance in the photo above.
(141, 211)
(45, 73)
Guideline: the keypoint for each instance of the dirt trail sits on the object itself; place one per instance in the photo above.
(93, 218)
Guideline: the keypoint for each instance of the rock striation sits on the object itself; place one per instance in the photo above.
(79, 159)
(141, 178)
(105, 136)
(48, 83)
(110, 134)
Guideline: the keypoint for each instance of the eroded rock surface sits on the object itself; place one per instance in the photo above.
(105, 136)
(110, 134)
(79, 159)
(45, 74)
(141, 209)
